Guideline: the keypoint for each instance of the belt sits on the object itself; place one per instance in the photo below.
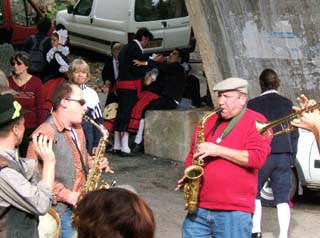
(130, 84)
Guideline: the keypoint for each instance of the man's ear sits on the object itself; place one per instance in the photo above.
(243, 99)
(63, 103)
(15, 129)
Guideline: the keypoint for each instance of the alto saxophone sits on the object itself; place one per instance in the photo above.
(93, 179)
(195, 171)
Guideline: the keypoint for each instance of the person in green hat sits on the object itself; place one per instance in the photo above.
(25, 193)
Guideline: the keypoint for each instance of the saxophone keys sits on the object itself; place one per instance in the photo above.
(104, 185)
(113, 184)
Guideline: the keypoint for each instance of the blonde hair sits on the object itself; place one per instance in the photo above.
(79, 64)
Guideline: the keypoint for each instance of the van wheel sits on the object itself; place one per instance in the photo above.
(266, 193)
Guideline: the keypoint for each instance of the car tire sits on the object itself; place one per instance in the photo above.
(266, 193)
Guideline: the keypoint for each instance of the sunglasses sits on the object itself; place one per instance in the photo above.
(80, 101)
(16, 63)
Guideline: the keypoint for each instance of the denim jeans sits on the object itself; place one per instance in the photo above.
(66, 229)
(185, 103)
(205, 223)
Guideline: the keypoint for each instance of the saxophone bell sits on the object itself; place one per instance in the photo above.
(192, 187)
(194, 172)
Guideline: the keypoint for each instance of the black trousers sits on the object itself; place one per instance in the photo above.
(127, 98)
(162, 103)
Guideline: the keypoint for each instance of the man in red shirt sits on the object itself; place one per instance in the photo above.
(233, 152)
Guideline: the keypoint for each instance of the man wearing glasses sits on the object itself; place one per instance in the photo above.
(73, 160)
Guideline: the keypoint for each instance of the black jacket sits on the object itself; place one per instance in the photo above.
(174, 78)
(274, 106)
(108, 72)
(127, 71)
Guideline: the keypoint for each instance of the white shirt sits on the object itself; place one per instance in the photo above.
(115, 68)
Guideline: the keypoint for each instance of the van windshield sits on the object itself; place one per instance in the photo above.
(153, 10)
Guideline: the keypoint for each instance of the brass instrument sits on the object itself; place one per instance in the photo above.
(93, 180)
(49, 225)
(195, 171)
(264, 127)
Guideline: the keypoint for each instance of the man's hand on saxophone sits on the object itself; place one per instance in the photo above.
(181, 183)
(104, 166)
(206, 149)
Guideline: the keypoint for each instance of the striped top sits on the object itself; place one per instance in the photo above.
(92, 100)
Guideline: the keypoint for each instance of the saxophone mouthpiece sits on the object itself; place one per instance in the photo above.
(218, 110)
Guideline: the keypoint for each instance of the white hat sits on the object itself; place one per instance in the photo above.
(63, 36)
(228, 84)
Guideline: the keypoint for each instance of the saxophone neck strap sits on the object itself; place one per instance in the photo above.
(76, 142)
(230, 126)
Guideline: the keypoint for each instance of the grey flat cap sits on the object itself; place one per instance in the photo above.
(228, 84)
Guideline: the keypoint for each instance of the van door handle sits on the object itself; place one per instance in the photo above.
(164, 24)
(91, 20)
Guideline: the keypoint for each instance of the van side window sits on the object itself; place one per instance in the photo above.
(159, 10)
(84, 7)
(23, 14)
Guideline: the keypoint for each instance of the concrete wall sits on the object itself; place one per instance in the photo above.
(168, 134)
(251, 35)
(248, 36)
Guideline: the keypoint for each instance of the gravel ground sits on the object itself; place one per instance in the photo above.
(154, 179)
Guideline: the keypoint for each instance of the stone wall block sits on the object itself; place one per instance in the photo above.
(168, 134)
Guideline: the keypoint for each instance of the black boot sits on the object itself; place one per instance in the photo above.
(256, 235)
(137, 148)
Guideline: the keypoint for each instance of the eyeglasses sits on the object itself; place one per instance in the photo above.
(80, 101)
(16, 63)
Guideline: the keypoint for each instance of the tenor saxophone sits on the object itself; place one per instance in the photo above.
(195, 171)
(93, 179)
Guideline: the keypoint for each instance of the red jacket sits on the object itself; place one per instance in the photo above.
(225, 185)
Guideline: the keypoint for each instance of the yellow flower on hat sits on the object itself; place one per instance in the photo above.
(17, 108)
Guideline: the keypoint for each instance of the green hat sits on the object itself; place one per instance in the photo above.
(229, 84)
(10, 109)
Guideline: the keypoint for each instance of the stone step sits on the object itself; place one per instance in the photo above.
(168, 133)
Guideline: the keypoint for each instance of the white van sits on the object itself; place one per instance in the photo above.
(95, 24)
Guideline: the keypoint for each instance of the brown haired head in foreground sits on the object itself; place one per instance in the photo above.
(113, 213)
